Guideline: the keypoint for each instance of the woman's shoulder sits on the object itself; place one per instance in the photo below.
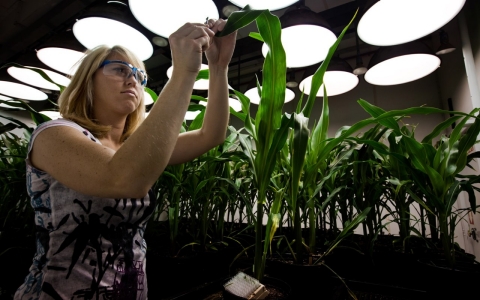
(61, 122)
(57, 122)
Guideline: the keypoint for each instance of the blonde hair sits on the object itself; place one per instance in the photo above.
(76, 101)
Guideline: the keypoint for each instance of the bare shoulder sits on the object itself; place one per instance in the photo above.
(57, 146)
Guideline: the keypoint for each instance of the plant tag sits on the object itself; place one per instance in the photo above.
(245, 286)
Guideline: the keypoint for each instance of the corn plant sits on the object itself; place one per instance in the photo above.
(440, 166)
(269, 131)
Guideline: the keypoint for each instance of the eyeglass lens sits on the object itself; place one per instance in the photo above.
(123, 71)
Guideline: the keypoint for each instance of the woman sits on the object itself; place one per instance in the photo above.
(89, 174)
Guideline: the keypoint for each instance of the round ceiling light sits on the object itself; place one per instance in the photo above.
(445, 46)
(33, 78)
(252, 94)
(165, 17)
(300, 49)
(299, 24)
(201, 84)
(264, 4)
(233, 103)
(51, 114)
(8, 106)
(401, 64)
(110, 32)
(402, 69)
(385, 23)
(5, 98)
(191, 115)
(336, 83)
(21, 91)
(61, 59)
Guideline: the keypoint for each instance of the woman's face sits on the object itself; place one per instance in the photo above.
(113, 92)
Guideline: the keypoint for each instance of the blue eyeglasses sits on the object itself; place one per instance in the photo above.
(123, 70)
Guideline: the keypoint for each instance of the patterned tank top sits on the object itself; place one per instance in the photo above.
(86, 247)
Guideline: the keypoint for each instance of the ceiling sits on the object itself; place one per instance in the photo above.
(27, 24)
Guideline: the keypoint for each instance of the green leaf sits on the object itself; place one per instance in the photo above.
(151, 93)
(246, 110)
(203, 74)
(19, 123)
(269, 112)
(278, 142)
(248, 150)
(239, 19)
(347, 230)
(197, 122)
(298, 150)
(317, 79)
(320, 132)
(7, 127)
(466, 142)
(375, 111)
(256, 36)
(36, 116)
(440, 128)
(239, 115)
(199, 98)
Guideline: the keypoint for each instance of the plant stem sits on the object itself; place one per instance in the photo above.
(258, 267)
(298, 235)
(445, 237)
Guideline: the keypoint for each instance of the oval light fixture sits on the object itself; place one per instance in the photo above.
(33, 78)
(264, 4)
(201, 84)
(191, 115)
(51, 114)
(445, 46)
(338, 78)
(252, 94)
(336, 82)
(61, 59)
(5, 98)
(401, 64)
(233, 103)
(299, 25)
(111, 32)
(394, 22)
(165, 17)
(8, 106)
(21, 91)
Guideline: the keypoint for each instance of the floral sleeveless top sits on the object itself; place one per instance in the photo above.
(86, 247)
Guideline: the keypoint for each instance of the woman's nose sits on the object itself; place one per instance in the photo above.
(131, 78)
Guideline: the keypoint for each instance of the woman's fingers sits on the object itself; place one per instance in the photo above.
(200, 34)
(188, 42)
(187, 28)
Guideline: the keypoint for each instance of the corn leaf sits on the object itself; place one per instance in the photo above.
(239, 19)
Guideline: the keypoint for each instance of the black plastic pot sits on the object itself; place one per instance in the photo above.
(443, 282)
(377, 282)
(305, 280)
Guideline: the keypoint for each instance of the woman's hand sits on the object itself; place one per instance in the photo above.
(187, 45)
(221, 49)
